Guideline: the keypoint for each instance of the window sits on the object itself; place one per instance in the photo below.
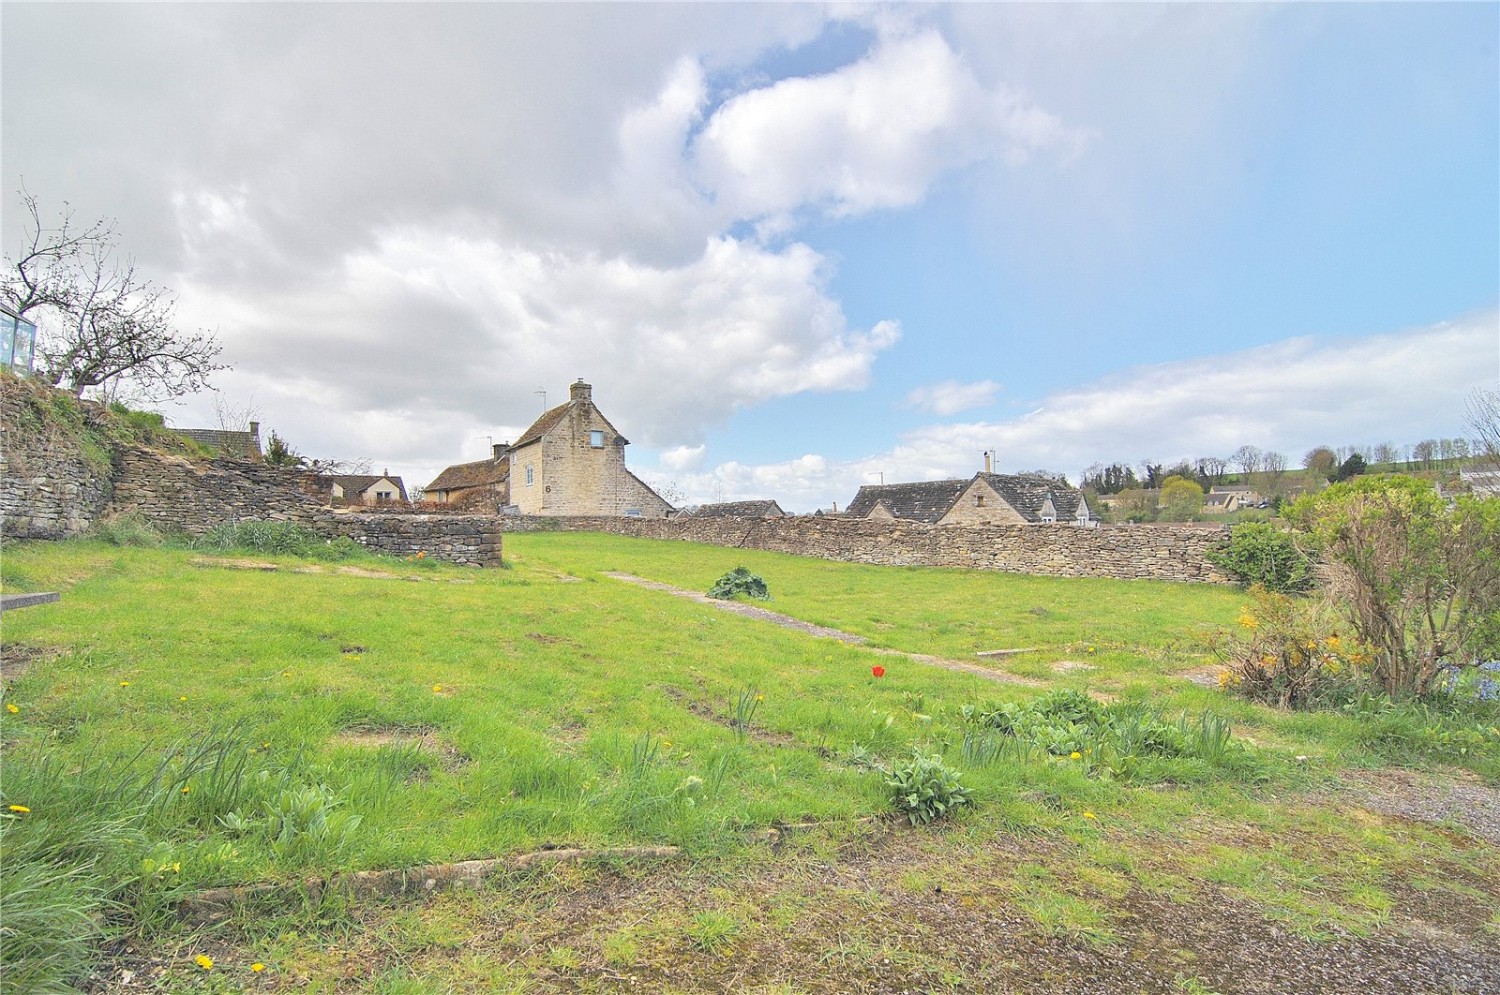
(382, 495)
(596, 439)
(528, 475)
(979, 500)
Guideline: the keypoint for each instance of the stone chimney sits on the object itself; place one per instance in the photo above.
(581, 391)
(500, 449)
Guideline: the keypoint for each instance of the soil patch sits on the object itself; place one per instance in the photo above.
(17, 658)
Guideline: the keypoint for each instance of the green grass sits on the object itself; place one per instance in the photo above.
(321, 721)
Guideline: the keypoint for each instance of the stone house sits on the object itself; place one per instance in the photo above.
(924, 501)
(1019, 499)
(571, 461)
(740, 509)
(484, 482)
(985, 499)
(355, 488)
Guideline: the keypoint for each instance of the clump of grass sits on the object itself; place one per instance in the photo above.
(88, 849)
(283, 538)
(129, 529)
(1123, 741)
(745, 705)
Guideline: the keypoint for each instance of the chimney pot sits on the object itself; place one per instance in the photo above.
(581, 391)
(499, 449)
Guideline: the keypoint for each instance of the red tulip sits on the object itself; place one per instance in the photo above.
(878, 670)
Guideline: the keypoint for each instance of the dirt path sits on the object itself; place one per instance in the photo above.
(822, 632)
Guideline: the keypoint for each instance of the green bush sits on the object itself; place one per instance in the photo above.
(1260, 553)
(740, 581)
(925, 788)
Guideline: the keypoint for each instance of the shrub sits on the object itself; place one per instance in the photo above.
(1416, 577)
(1290, 654)
(740, 581)
(1260, 553)
(925, 788)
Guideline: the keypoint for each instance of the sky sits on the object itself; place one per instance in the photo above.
(795, 248)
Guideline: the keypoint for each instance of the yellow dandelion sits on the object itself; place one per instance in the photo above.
(265, 746)
(10, 707)
(124, 684)
(666, 744)
(1090, 815)
(1248, 621)
(176, 867)
(760, 697)
(1075, 755)
(257, 967)
(204, 961)
(1091, 649)
(186, 789)
(22, 809)
(437, 689)
(182, 697)
(1333, 642)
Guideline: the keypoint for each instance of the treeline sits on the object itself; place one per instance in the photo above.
(1327, 462)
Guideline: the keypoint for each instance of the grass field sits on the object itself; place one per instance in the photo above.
(199, 723)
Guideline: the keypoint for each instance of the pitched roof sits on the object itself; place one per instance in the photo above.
(245, 445)
(480, 473)
(358, 483)
(1028, 492)
(550, 418)
(741, 509)
(925, 501)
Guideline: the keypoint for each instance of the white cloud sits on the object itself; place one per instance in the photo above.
(1288, 396)
(950, 397)
(873, 134)
(463, 331)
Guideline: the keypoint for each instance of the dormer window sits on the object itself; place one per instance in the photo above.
(596, 439)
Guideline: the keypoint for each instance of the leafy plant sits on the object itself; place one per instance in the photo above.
(740, 581)
(924, 788)
(1260, 553)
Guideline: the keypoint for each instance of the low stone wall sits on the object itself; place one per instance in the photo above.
(195, 495)
(471, 540)
(1155, 552)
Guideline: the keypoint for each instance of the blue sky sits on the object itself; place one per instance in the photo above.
(795, 248)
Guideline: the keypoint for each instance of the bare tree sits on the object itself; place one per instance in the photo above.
(1274, 464)
(102, 323)
(1482, 412)
(1247, 458)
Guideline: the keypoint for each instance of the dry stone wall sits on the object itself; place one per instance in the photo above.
(196, 495)
(1155, 552)
(51, 484)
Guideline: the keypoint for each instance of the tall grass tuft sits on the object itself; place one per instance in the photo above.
(89, 856)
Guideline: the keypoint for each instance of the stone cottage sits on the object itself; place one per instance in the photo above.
(985, 499)
(483, 483)
(571, 461)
